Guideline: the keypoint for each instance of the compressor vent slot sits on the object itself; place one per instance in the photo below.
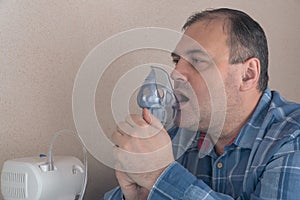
(14, 177)
(14, 185)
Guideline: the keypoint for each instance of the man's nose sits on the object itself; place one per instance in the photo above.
(178, 74)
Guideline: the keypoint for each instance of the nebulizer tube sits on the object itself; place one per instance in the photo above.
(50, 161)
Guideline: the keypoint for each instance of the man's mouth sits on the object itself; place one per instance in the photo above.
(181, 100)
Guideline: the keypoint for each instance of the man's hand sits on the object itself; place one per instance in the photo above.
(130, 189)
(143, 150)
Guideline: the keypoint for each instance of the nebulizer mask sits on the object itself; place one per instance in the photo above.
(157, 95)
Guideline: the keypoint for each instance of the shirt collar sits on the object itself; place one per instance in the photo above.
(249, 132)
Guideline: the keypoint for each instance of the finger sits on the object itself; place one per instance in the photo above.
(116, 162)
(128, 187)
(125, 128)
(146, 116)
(118, 139)
(131, 129)
(136, 121)
(143, 193)
(151, 119)
(140, 128)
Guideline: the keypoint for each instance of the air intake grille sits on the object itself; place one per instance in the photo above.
(14, 185)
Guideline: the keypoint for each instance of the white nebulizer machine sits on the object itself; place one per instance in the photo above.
(44, 177)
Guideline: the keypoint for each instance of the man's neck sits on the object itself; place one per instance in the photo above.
(225, 141)
(233, 127)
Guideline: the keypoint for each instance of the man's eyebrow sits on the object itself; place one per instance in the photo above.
(192, 51)
(198, 51)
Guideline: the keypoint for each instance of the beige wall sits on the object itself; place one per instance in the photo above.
(43, 43)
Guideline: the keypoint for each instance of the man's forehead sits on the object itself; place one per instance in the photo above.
(188, 45)
(203, 37)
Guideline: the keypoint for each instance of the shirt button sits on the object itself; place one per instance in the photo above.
(219, 165)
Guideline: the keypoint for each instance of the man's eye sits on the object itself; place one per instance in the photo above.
(196, 61)
(199, 64)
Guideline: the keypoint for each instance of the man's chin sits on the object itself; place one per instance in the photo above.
(185, 123)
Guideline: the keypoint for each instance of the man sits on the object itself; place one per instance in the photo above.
(257, 153)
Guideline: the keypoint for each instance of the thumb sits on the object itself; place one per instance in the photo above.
(151, 119)
(147, 115)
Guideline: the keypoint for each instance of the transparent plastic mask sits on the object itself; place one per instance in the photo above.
(157, 95)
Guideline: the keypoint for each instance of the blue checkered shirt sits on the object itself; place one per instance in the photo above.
(263, 162)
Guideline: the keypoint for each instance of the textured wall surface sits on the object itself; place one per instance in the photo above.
(43, 43)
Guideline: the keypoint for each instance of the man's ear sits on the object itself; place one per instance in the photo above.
(250, 74)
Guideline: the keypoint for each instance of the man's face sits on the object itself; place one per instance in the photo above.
(200, 72)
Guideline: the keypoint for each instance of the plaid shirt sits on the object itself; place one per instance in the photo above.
(263, 162)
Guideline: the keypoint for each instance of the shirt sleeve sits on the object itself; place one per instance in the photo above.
(178, 183)
(281, 179)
